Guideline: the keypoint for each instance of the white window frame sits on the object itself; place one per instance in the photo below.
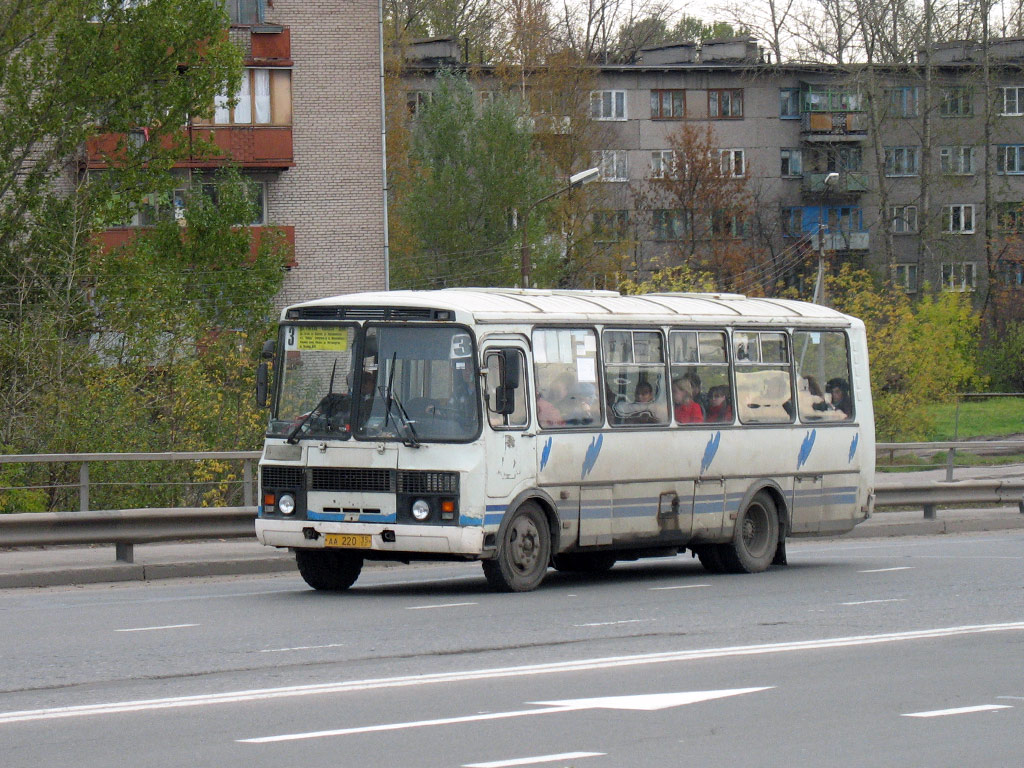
(787, 156)
(901, 161)
(608, 105)
(733, 162)
(958, 219)
(1010, 159)
(904, 219)
(614, 164)
(957, 160)
(905, 276)
(417, 100)
(1013, 101)
(663, 162)
(789, 103)
(959, 277)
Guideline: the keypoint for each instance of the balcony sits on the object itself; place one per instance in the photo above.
(249, 146)
(111, 239)
(841, 241)
(850, 182)
(833, 126)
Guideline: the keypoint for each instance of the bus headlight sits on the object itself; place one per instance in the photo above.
(420, 510)
(286, 504)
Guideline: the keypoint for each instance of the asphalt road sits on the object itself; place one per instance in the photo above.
(860, 653)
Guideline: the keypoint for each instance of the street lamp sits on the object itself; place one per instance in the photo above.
(819, 284)
(576, 180)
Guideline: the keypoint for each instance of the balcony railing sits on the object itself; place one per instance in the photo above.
(833, 126)
(842, 241)
(849, 181)
(249, 146)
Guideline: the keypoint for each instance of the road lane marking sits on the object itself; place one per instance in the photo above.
(872, 602)
(680, 586)
(534, 760)
(886, 570)
(580, 665)
(302, 648)
(150, 629)
(959, 710)
(439, 605)
(636, 703)
(612, 623)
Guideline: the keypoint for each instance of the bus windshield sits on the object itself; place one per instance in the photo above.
(314, 388)
(418, 384)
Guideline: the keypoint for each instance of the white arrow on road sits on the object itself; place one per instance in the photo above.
(642, 702)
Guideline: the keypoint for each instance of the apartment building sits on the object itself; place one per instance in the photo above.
(307, 128)
(911, 176)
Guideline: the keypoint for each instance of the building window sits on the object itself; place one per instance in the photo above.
(1013, 101)
(1012, 274)
(608, 105)
(902, 101)
(904, 219)
(842, 159)
(957, 161)
(1010, 218)
(955, 102)
(725, 103)
(958, 219)
(669, 223)
(789, 103)
(611, 226)
(901, 161)
(245, 12)
(728, 225)
(905, 276)
(732, 162)
(613, 164)
(264, 97)
(791, 162)
(823, 98)
(792, 221)
(1010, 158)
(663, 163)
(668, 105)
(417, 100)
(959, 277)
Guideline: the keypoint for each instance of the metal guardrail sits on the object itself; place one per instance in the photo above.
(126, 527)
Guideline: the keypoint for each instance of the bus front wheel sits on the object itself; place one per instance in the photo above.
(523, 552)
(755, 537)
(328, 571)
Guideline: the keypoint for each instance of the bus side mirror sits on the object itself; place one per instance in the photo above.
(269, 347)
(262, 378)
(510, 377)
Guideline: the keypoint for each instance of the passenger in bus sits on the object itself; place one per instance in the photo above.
(701, 398)
(687, 410)
(550, 402)
(839, 389)
(642, 409)
(719, 405)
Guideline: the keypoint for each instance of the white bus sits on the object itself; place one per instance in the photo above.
(528, 429)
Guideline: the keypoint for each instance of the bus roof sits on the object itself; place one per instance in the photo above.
(508, 305)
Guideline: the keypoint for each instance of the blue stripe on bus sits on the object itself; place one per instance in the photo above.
(341, 517)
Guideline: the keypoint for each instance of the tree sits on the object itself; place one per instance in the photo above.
(699, 204)
(472, 169)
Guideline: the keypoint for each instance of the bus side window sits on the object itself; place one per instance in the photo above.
(565, 364)
(823, 376)
(700, 366)
(518, 418)
(763, 379)
(635, 385)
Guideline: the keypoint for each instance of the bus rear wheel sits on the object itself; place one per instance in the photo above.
(523, 552)
(755, 537)
(328, 571)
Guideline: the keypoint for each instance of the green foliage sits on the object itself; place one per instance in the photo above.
(920, 354)
(681, 279)
(1003, 359)
(471, 168)
(977, 417)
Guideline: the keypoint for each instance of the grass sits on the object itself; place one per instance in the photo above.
(995, 417)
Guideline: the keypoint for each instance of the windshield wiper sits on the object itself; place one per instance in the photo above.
(319, 406)
(390, 398)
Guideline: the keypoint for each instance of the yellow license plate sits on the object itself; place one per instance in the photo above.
(348, 540)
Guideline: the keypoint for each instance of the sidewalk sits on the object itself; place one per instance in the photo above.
(62, 566)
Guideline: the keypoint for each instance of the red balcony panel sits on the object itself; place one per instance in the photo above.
(271, 49)
(289, 236)
(249, 146)
(112, 239)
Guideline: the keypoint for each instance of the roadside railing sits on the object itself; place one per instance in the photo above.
(127, 527)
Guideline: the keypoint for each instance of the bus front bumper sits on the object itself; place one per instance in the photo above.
(380, 537)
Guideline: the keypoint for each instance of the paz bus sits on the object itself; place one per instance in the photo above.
(529, 429)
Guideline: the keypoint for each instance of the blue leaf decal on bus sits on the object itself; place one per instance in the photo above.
(853, 446)
(709, 451)
(805, 448)
(592, 453)
(545, 454)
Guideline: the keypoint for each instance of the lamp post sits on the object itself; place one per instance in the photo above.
(819, 284)
(576, 180)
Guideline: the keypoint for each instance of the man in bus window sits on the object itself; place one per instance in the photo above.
(839, 389)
